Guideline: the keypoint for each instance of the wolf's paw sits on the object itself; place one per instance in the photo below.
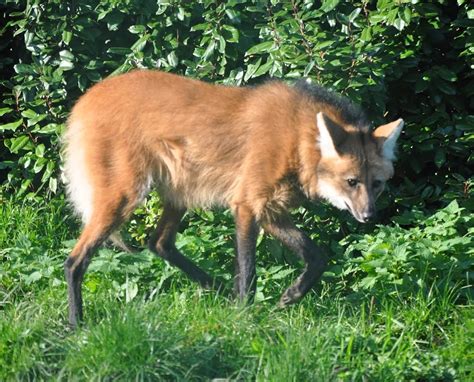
(291, 296)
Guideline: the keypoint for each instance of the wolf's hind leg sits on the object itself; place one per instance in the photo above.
(162, 243)
(107, 216)
(297, 241)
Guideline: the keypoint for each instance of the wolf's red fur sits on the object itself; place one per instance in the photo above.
(256, 150)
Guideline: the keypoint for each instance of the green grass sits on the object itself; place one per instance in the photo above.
(144, 321)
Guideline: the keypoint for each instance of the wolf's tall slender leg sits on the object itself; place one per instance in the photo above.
(162, 242)
(297, 241)
(106, 217)
(247, 232)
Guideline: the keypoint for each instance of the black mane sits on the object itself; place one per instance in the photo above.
(349, 112)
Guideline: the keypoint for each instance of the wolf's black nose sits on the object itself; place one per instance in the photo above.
(368, 216)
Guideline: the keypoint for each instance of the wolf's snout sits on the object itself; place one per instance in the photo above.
(368, 215)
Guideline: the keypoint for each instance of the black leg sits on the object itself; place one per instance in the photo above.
(298, 242)
(162, 243)
(247, 232)
(76, 265)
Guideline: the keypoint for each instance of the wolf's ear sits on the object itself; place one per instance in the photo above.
(388, 135)
(330, 135)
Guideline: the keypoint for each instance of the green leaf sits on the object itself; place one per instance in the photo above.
(407, 15)
(49, 128)
(329, 5)
(140, 44)
(445, 88)
(308, 68)
(53, 185)
(399, 24)
(29, 114)
(259, 48)
(66, 55)
(234, 32)
(66, 37)
(172, 59)
(11, 126)
(23, 68)
(119, 50)
(66, 65)
(366, 34)
(353, 15)
(263, 69)
(209, 50)
(39, 165)
(40, 149)
(33, 277)
(135, 29)
(446, 74)
(48, 171)
(5, 110)
(440, 157)
(251, 69)
(18, 143)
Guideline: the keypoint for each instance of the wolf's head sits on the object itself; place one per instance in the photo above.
(355, 164)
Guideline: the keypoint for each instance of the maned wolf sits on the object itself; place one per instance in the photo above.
(257, 150)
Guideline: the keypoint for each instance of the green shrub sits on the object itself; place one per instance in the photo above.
(430, 252)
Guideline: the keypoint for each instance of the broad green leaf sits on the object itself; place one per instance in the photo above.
(48, 171)
(119, 50)
(140, 44)
(445, 88)
(5, 110)
(353, 15)
(209, 50)
(251, 69)
(135, 29)
(39, 165)
(29, 113)
(329, 5)
(40, 149)
(66, 65)
(366, 34)
(407, 15)
(263, 69)
(23, 68)
(53, 185)
(446, 74)
(66, 55)
(308, 68)
(18, 143)
(172, 59)
(399, 24)
(67, 36)
(263, 47)
(12, 126)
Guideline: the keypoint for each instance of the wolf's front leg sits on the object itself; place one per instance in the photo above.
(297, 241)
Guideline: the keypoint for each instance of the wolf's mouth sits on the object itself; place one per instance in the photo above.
(360, 220)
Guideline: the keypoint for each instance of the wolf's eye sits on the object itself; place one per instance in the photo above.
(377, 183)
(352, 182)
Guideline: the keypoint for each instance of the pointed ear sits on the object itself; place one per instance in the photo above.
(329, 135)
(388, 135)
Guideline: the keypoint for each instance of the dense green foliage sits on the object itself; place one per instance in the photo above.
(396, 302)
(143, 324)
